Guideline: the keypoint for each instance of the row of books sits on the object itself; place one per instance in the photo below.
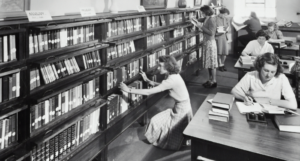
(8, 131)
(119, 104)
(190, 42)
(54, 39)
(89, 60)
(34, 78)
(121, 27)
(57, 70)
(221, 105)
(175, 18)
(124, 73)
(120, 50)
(152, 58)
(64, 142)
(50, 109)
(9, 87)
(178, 32)
(155, 21)
(155, 39)
(8, 49)
(176, 48)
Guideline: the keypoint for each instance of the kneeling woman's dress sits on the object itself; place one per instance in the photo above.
(165, 129)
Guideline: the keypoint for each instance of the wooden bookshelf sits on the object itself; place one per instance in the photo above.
(102, 38)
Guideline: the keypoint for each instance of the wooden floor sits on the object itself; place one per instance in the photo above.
(131, 146)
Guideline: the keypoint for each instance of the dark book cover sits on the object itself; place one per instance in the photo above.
(51, 149)
(1, 49)
(14, 86)
(10, 85)
(65, 145)
(73, 136)
(63, 102)
(54, 41)
(56, 147)
(97, 84)
(43, 113)
(69, 139)
(80, 131)
(56, 110)
(13, 128)
(5, 88)
(61, 144)
(49, 40)
(32, 118)
(71, 36)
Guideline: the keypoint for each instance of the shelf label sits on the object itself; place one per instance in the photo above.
(34, 16)
(87, 11)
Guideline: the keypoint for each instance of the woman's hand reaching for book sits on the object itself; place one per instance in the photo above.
(124, 87)
(143, 74)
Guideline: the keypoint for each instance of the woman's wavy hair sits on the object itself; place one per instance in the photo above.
(207, 10)
(262, 33)
(273, 24)
(268, 58)
(171, 64)
(253, 15)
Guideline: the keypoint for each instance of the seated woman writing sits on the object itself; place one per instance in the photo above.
(275, 34)
(165, 128)
(258, 46)
(266, 85)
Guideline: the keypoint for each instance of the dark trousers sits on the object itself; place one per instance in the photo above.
(244, 39)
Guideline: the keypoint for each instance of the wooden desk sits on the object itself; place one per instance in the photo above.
(242, 69)
(239, 140)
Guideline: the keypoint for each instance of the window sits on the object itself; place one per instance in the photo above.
(263, 8)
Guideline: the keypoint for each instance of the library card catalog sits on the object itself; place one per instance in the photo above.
(87, 11)
(34, 16)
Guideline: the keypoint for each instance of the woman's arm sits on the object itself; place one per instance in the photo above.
(152, 83)
(212, 26)
(139, 91)
(287, 103)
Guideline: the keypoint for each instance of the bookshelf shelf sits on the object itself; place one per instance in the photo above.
(12, 65)
(67, 49)
(123, 36)
(11, 31)
(53, 26)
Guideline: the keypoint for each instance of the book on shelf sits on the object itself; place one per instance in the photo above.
(288, 123)
(8, 49)
(223, 100)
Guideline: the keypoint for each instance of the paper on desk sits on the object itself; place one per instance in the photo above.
(247, 109)
(239, 20)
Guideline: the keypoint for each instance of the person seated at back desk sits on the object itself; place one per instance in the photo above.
(266, 85)
(258, 46)
(275, 34)
(252, 27)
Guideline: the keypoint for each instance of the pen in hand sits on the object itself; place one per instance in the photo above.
(249, 99)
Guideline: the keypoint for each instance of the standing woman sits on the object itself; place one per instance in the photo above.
(165, 128)
(210, 60)
(221, 38)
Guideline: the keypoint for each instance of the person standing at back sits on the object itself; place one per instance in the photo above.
(223, 26)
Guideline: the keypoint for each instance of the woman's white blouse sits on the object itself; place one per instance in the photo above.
(273, 89)
(255, 49)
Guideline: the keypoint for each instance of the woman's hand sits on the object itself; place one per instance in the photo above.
(248, 101)
(143, 74)
(124, 87)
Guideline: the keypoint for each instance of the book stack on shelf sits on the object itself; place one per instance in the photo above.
(176, 18)
(155, 21)
(122, 27)
(9, 85)
(190, 42)
(8, 131)
(152, 58)
(221, 105)
(8, 49)
(176, 48)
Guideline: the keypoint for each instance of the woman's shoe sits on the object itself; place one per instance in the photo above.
(206, 83)
(211, 85)
(224, 68)
(221, 69)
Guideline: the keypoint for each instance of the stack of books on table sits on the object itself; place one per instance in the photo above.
(246, 61)
(221, 105)
(288, 122)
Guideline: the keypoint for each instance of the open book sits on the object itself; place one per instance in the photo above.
(259, 108)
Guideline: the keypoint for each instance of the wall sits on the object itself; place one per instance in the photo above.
(286, 9)
(60, 7)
